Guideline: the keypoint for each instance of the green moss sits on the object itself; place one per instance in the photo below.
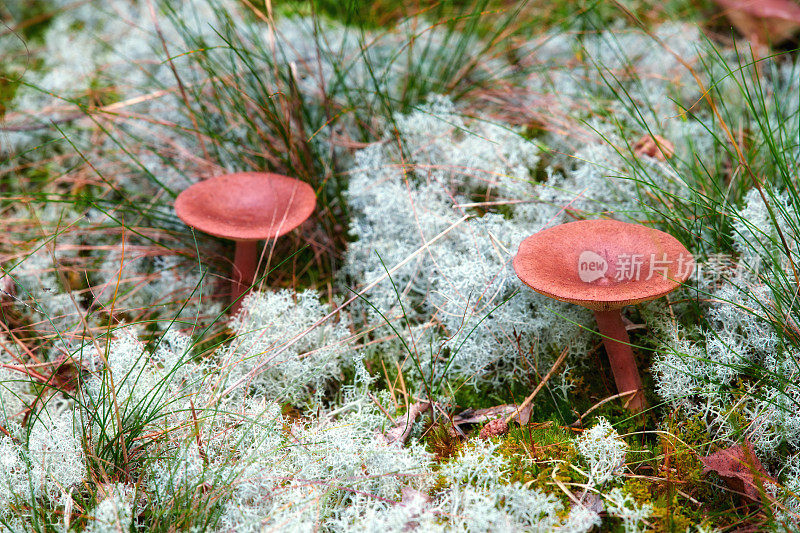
(534, 452)
(375, 15)
(666, 467)
(668, 516)
(32, 19)
(382, 13)
(639, 489)
(681, 495)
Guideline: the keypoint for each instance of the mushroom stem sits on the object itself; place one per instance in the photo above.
(620, 355)
(245, 261)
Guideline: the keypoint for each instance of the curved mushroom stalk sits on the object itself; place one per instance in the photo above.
(620, 355)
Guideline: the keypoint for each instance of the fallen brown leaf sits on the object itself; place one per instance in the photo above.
(739, 467)
(478, 416)
(402, 430)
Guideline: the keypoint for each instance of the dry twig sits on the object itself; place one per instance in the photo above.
(539, 387)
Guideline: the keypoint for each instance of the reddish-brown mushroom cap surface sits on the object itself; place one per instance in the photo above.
(782, 9)
(246, 206)
(602, 264)
(605, 265)
(767, 21)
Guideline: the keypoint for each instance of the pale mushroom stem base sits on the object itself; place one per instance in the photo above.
(620, 355)
(245, 262)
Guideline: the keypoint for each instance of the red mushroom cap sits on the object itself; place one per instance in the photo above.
(772, 21)
(778, 9)
(246, 206)
(602, 264)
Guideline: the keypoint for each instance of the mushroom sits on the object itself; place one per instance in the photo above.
(246, 207)
(654, 146)
(763, 21)
(604, 265)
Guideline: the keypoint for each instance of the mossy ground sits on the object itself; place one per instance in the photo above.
(663, 467)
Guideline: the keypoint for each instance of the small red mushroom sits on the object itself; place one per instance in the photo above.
(654, 146)
(763, 21)
(604, 265)
(246, 207)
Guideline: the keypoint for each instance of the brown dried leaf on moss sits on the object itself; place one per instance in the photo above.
(739, 467)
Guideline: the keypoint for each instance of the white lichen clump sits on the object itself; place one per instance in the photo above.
(603, 450)
(465, 280)
(55, 454)
(115, 512)
(632, 514)
(277, 334)
(695, 373)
